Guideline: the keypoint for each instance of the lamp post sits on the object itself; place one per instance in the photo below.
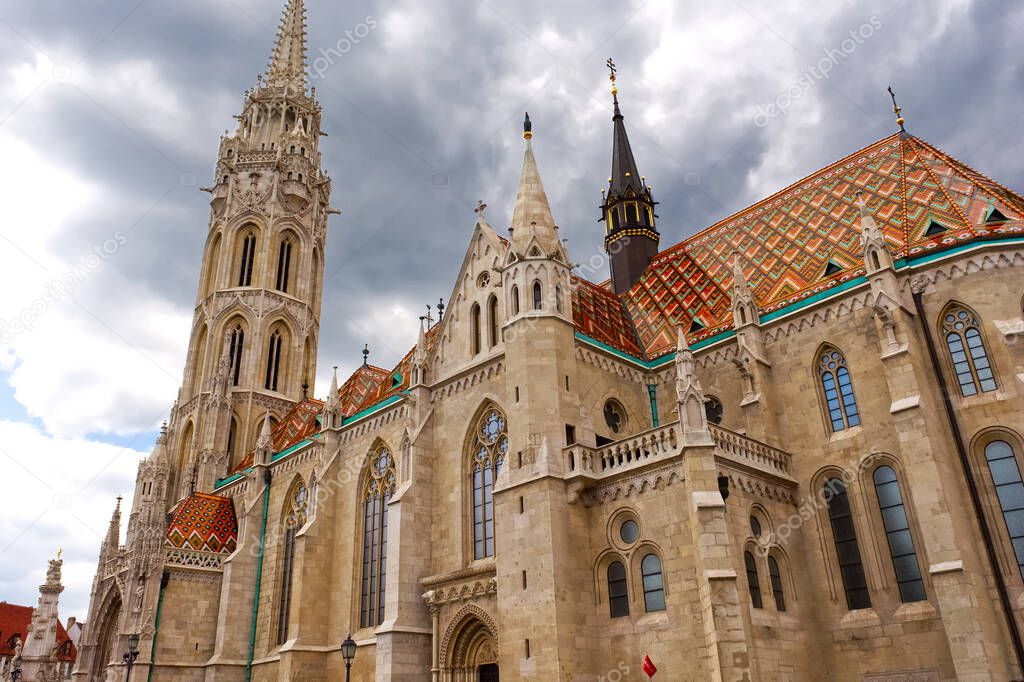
(348, 652)
(130, 656)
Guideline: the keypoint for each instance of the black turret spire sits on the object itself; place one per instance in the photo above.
(631, 237)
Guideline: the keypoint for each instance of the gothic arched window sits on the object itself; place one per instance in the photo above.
(1002, 465)
(515, 299)
(558, 297)
(284, 261)
(775, 575)
(492, 321)
(489, 449)
(248, 256)
(273, 361)
(294, 519)
(844, 533)
(474, 329)
(897, 533)
(654, 585)
(380, 484)
(618, 590)
(838, 389)
(962, 332)
(235, 352)
(753, 581)
(537, 296)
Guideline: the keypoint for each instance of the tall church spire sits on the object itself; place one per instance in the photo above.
(631, 237)
(531, 217)
(288, 61)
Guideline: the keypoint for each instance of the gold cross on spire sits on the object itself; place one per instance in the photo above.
(897, 110)
(611, 74)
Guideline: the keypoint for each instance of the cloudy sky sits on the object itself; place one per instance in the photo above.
(110, 115)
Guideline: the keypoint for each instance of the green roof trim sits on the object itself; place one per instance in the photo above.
(372, 408)
(811, 300)
(657, 362)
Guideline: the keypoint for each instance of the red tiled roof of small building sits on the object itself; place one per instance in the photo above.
(16, 620)
(205, 523)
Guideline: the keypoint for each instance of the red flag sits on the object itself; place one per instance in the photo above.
(649, 666)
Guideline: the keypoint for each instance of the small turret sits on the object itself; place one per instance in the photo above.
(631, 236)
(532, 223)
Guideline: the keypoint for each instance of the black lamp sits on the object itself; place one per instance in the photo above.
(130, 656)
(348, 652)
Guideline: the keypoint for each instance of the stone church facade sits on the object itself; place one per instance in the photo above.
(787, 448)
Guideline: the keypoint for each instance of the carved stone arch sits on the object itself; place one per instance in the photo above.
(462, 635)
(109, 617)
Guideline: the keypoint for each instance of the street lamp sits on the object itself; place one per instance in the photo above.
(130, 656)
(348, 652)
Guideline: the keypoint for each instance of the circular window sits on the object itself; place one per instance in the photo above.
(484, 279)
(614, 416)
(713, 410)
(755, 526)
(629, 531)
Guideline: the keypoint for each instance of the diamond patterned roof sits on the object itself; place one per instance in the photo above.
(788, 240)
(358, 387)
(204, 523)
(300, 423)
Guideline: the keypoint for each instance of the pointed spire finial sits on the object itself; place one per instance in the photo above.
(288, 61)
(527, 127)
(896, 109)
(366, 353)
(612, 70)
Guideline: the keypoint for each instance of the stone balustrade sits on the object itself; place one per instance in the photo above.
(664, 442)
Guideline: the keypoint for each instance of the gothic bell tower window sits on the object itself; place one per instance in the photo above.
(248, 256)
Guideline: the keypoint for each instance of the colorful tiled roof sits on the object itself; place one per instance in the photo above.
(601, 315)
(16, 620)
(300, 423)
(204, 523)
(806, 238)
(363, 383)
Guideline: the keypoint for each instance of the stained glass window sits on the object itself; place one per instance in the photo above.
(490, 448)
(835, 381)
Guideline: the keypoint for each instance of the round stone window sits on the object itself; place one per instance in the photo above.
(629, 531)
(615, 416)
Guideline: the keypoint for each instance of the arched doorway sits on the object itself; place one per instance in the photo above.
(103, 655)
(471, 654)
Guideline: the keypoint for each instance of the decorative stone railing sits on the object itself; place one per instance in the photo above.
(744, 450)
(190, 558)
(261, 156)
(629, 453)
(664, 442)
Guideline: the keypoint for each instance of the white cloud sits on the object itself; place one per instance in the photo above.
(59, 494)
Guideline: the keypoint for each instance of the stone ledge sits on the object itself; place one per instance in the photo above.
(946, 567)
(911, 401)
(720, 574)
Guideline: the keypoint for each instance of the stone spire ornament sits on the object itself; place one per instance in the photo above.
(287, 67)
(38, 658)
(744, 305)
(876, 251)
(264, 443)
(532, 222)
(689, 394)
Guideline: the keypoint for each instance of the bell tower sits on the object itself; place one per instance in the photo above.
(631, 237)
(254, 335)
